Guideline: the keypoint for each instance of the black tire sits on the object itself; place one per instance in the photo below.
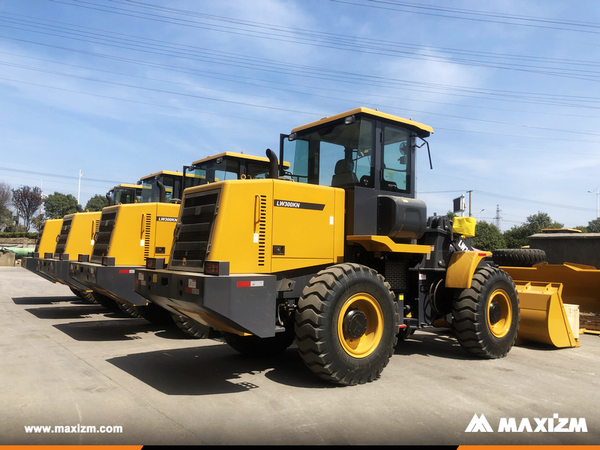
(105, 301)
(155, 314)
(518, 257)
(191, 328)
(87, 296)
(260, 347)
(130, 310)
(346, 324)
(77, 292)
(486, 316)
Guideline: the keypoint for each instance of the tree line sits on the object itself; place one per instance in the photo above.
(27, 202)
(21, 208)
(488, 237)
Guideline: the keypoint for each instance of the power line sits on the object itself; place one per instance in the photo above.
(479, 16)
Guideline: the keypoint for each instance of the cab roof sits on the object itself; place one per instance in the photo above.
(164, 172)
(422, 130)
(261, 159)
(125, 185)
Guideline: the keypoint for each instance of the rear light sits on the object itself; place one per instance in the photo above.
(216, 267)
(155, 263)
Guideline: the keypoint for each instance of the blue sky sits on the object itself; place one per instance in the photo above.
(121, 89)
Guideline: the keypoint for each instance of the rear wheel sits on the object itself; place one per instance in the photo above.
(130, 310)
(486, 316)
(155, 314)
(105, 301)
(346, 324)
(87, 296)
(191, 328)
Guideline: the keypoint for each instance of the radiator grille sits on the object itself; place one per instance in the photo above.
(61, 242)
(105, 229)
(194, 229)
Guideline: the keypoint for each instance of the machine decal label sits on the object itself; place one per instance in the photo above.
(166, 219)
(126, 271)
(299, 205)
(250, 283)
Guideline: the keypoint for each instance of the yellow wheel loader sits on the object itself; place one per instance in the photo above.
(45, 245)
(335, 252)
(63, 240)
(130, 234)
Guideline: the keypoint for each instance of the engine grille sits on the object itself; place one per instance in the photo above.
(396, 273)
(194, 230)
(63, 236)
(102, 241)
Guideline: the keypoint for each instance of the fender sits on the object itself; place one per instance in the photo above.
(462, 268)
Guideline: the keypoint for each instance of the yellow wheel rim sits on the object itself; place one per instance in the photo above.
(362, 308)
(499, 313)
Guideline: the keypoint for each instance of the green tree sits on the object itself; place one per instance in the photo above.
(96, 203)
(6, 216)
(27, 201)
(518, 236)
(58, 205)
(593, 226)
(37, 222)
(487, 237)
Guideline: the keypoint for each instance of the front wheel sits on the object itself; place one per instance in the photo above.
(486, 316)
(346, 324)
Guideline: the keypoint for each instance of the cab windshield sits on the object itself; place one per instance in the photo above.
(127, 195)
(342, 154)
(151, 191)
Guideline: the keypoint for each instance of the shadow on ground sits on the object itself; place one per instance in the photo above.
(47, 300)
(121, 329)
(215, 368)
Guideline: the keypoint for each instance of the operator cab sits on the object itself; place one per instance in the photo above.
(371, 155)
(124, 194)
(229, 166)
(153, 184)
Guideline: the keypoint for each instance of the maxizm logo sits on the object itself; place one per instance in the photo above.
(554, 424)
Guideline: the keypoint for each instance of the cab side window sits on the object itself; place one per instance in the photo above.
(396, 159)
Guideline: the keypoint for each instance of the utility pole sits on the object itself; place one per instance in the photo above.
(469, 202)
(79, 187)
(597, 192)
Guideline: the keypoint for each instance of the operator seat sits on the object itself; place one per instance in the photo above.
(344, 174)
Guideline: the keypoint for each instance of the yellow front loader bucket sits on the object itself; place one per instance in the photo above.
(543, 315)
(581, 284)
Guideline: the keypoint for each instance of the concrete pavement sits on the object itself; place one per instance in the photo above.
(64, 362)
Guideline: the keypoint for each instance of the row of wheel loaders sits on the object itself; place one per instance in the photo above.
(108, 245)
(331, 250)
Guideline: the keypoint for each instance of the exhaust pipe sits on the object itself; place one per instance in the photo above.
(273, 164)
(162, 196)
